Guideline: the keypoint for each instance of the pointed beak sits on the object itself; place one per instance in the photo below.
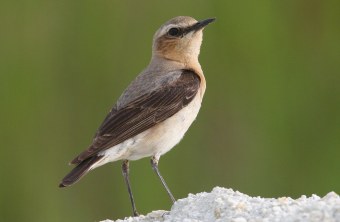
(199, 25)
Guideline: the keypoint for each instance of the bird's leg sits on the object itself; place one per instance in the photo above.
(125, 171)
(154, 164)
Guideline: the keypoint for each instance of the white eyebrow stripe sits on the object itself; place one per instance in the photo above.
(166, 28)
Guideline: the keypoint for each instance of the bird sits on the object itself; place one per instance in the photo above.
(155, 111)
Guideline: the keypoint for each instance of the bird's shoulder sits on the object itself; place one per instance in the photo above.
(149, 81)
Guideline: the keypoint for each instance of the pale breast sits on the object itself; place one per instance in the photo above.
(164, 136)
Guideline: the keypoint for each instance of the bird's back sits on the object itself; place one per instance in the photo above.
(158, 74)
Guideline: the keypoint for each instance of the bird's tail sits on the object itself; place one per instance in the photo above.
(79, 171)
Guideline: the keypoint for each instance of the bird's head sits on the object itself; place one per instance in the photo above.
(179, 39)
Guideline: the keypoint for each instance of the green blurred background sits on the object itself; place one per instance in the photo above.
(269, 124)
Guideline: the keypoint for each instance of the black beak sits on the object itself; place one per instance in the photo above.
(199, 25)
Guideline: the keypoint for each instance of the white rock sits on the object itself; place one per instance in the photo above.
(229, 206)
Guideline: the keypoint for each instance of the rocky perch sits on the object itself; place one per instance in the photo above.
(232, 206)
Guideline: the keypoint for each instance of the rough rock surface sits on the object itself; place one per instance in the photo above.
(232, 206)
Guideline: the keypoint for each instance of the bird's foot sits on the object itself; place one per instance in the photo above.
(135, 213)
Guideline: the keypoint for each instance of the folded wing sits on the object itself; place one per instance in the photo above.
(143, 113)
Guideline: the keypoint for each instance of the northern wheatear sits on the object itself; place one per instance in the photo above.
(154, 112)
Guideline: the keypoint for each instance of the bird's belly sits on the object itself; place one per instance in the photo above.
(161, 138)
(157, 140)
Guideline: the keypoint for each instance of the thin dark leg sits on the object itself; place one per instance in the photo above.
(154, 164)
(125, 170)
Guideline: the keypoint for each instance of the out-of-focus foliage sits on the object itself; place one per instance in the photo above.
(269, 124)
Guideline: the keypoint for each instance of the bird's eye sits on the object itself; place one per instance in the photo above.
(174, 32)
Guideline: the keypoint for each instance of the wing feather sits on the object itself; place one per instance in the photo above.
(143, 113)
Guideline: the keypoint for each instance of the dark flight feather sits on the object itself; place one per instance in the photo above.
(142, 113)
(79, 171)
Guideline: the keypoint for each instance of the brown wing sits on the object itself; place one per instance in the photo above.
(143, 113)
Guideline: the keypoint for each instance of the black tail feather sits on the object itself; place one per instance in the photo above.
(79, 171)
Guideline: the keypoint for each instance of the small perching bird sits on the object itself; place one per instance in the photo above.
(154, 112)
